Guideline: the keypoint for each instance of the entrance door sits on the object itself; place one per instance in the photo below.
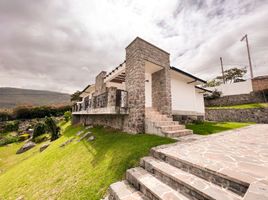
(148, 90)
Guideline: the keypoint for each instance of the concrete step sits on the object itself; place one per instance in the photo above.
(172, 128)
(166, 123)
(151, 187)
(124, 191)
(178, 133)
(159, 118)
(236, 186)
(186, 183)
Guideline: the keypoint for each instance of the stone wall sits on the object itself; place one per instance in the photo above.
(100, 86)
(114, 121)
(253, 97)
(137, 53)
(258, 115)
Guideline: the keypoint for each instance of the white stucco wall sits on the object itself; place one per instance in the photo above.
(148, 90)
(186, 99)
(244, 87)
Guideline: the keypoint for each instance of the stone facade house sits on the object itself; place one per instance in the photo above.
(143, 94)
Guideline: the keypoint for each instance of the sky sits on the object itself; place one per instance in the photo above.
(62, 45)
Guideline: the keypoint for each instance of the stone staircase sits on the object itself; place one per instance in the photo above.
(163, 125)
(161, 177)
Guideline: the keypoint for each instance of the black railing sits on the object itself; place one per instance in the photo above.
(121, 98)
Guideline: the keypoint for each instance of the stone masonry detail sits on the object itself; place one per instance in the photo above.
(137, 53)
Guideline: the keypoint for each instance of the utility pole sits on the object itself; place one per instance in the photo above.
(222, 71)
(249, 59)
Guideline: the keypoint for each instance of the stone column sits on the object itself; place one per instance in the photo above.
(138, 53)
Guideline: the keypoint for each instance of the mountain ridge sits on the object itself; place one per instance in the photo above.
(11, 97)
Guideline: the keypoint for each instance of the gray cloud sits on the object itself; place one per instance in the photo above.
(63, 45)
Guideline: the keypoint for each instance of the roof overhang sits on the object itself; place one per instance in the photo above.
(118, 75)
(195, 79)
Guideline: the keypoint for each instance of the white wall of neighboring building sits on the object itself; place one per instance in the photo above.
(199, 100)
(244, 87)
(186, 99)
(148, 90)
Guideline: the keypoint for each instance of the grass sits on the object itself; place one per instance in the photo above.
(207, 128)
(242, 106)
(80, 170)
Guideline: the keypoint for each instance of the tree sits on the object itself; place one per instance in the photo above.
(39, 129)
(214, 82)
(76, 96)
(67, 116)
(53, 128)
(233, 75)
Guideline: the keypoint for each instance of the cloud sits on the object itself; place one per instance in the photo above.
(62, 45)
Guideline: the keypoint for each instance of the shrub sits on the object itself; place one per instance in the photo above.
(24, 136)
(8, 139)
(11, 126)
(27, 112)
(53, 128)
(67, 116)
(5, 115)
(41, 138)
(39, 129)
(214, 95)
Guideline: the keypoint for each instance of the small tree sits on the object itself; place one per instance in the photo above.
(53, 128)
(67, 116)
(39, 129)
(233, 75)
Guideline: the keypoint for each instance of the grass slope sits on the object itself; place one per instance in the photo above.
(242, 106)
(11, 97)
(207, 128)
(80, 170)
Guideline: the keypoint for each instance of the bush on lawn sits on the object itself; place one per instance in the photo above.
(41, 138)
(39, 129)
(24, 136)
(8, 139)
(53, 128)
(67, 116)
(11, 126)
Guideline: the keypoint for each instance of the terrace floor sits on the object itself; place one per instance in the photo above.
(240, 154)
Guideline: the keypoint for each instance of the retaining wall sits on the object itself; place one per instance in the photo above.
(257, 115)
(253, 97)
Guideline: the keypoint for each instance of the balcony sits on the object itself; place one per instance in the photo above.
(113, 101)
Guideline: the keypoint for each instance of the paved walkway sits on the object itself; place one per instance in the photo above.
(241, 154)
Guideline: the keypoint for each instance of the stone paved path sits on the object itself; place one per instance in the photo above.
(231, 165)
(241, 154)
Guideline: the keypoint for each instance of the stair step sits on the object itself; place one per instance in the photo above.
(172, 128)
(123, 190)
(151, 186)
(160, 118)
(186, 183)
(236, 186)
(178, 133)
(166, 123)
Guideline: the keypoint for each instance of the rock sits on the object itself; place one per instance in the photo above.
(44, 146)
(84, 136)
(20, 198)
(26, 147)
(79, 133)
(67, 142)
(88, 127)
(91, 138)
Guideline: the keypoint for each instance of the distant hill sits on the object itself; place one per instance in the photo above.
(12, 97)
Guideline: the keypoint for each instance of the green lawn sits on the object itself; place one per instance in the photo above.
(242, 106)
(80, 170)
(207, 128)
